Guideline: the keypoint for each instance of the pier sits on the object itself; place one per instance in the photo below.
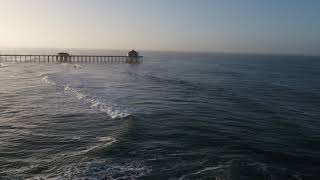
(132, 58)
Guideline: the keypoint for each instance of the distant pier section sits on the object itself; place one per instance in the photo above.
(133, 57)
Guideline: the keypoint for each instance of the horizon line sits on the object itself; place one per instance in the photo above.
(168, 51)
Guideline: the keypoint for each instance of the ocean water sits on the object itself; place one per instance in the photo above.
(175, 116)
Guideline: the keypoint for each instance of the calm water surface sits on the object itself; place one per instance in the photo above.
(175, 116)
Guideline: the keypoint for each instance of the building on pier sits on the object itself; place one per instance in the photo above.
(133, 53)
(133, 57)
(64, 57)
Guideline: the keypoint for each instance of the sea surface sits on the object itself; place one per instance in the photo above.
(175, 116)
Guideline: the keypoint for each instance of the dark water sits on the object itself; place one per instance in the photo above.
(176, 116)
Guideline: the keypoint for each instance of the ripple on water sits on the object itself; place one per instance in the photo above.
(240, 169)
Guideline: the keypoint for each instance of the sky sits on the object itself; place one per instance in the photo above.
(245, 26)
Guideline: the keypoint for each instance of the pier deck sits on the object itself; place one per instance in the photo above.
(90, 59)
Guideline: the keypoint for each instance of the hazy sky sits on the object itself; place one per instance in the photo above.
(259, 26)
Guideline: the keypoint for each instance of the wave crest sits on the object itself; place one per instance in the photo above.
(46, 80)
(3, 65)
(76, 66)
(113, 110)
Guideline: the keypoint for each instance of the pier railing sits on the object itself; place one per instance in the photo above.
(89, 59)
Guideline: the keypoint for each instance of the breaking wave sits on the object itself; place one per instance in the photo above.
(113, 110)
(3, 65)
(47, 81)
(76, 66)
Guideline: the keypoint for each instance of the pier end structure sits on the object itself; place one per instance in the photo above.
(133, 57)
(64, 57)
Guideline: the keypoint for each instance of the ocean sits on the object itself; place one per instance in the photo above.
(174, 116)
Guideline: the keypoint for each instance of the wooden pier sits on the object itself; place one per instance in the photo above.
(66, 58)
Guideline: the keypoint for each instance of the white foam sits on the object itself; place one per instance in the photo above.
(101, 143)
(103, 139)
(236, 165)
(104, 142)
(64, 64)
(76, 137)
(46, 80)
(44, 74)
(113, 110)
(76, 66)
(99, 169)
(3, 65)
(201, 171)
